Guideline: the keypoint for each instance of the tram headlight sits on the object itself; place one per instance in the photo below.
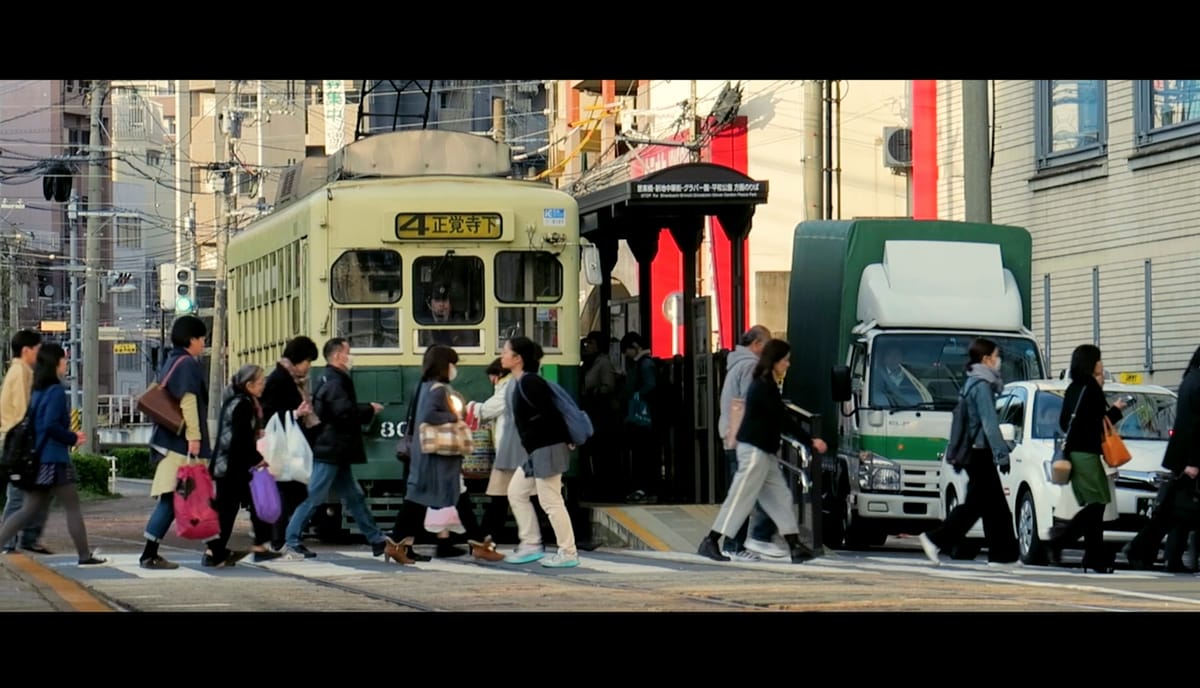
(877, 474)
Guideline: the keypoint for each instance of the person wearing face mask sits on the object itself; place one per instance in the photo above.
(987, 460)
(338, 445)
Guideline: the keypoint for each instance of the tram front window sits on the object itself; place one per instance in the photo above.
(528, 277)
(448, 290)
(367, 277)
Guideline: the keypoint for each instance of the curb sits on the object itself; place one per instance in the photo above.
(62, 593)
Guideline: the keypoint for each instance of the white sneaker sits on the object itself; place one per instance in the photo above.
(743, 555)
(766, 549)
(561, 560)
(931, 549)
(289, 554)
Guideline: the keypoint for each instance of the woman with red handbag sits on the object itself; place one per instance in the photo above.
(1089, 481)
(185, 381)
(53, 440)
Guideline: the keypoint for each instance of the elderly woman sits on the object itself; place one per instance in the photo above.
(235, 455)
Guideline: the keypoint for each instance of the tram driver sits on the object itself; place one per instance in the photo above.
(440, 310)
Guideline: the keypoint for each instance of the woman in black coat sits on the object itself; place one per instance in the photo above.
(235, 454)
(1083, 412)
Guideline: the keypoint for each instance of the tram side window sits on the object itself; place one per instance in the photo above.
(532, 277)
(367, 277)
(448, 290)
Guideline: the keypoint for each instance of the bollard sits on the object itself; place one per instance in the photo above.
(112, 474)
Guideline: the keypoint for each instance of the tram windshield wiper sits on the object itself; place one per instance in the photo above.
(924, 405)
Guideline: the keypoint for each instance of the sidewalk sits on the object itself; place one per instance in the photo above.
(27, 586)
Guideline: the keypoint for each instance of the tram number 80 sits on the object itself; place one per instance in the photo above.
(391, 430)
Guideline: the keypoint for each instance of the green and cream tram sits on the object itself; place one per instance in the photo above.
(397, 242)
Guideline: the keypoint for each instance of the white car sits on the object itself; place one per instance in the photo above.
(1028, 413)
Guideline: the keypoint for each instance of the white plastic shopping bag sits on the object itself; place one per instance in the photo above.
(273, 446)
(299, 454)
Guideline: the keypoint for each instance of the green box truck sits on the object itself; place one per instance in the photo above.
(881, 313)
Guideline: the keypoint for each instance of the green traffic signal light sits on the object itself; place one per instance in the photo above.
(183, 305)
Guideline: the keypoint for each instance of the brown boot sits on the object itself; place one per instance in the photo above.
(485, 550)
(398, 551)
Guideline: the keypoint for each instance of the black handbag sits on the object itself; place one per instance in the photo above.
(404, 447)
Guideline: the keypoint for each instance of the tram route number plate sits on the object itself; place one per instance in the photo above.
(466, 226)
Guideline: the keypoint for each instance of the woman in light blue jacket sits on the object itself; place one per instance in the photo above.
(987, 460)
(53, 440)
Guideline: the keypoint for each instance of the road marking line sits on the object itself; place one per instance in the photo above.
(445, 566)
(130, 563)
(71, 592)
(604, 566)
(312, 569)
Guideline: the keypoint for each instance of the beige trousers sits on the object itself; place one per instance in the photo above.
(549, 494)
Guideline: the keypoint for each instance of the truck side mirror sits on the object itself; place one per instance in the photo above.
(840, 383)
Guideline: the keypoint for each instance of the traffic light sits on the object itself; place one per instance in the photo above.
(166, 286)
(185, 290)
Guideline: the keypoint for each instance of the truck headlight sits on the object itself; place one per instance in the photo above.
(877, 474)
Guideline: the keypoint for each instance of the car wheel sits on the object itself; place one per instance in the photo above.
(1033, 551)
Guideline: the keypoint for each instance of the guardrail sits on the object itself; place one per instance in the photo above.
(119, 410)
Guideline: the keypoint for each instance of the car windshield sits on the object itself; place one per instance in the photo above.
(1150, 417)
(927, 370)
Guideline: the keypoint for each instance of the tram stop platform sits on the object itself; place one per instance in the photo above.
(656, 527)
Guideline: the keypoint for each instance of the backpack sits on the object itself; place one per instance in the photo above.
(958, 448)
(579, 426)
(21, 456)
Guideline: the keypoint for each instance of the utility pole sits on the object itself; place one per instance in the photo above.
(90, 354)
(216, 368)
(814, 159)
(977, 163)
(73, 298)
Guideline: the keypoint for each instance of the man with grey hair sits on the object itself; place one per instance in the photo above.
(739, 372)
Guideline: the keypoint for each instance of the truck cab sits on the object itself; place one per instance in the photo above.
(888, 328)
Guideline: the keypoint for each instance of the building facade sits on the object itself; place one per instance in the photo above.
(604, 132)
(45, 132)
(1104, 174)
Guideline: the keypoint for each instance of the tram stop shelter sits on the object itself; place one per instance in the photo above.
(677, 199)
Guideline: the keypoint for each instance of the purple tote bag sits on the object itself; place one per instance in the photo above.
(265, 494)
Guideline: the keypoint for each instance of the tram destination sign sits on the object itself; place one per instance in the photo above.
(450, 226)
(698, 190)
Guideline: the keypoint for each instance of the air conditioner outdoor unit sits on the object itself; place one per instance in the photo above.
(897, 148)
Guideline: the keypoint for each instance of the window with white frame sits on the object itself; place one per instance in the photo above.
(1166, 110)
(1070, 121)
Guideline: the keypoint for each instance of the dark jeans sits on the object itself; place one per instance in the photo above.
(764, 528)
(230, 497)
(986, 500)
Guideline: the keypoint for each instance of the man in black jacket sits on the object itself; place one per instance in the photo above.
(1182, 458)
(337, 445)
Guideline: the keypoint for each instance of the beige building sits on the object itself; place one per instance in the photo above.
(1105, 176)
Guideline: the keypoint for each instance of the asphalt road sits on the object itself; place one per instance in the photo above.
(347, 578)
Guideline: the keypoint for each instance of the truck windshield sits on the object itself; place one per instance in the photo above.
(927, 370)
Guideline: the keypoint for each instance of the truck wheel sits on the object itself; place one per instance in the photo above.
(865, 536)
